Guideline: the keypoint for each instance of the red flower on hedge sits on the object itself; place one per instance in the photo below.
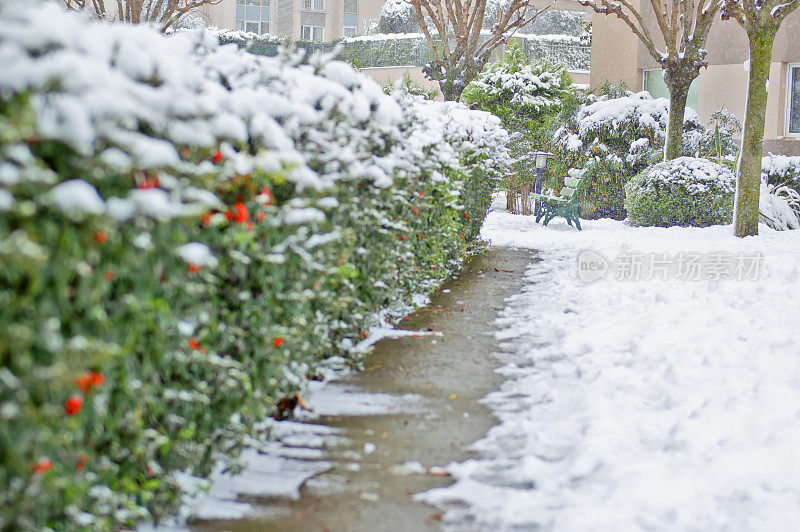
(45, 464)
(98, 379)
(73, 405)
(205, 219)
(84, 382)
(194, 268)
(466, 215)
(217, 157)
(109, 276)
(100, 237)
(148, 182)
(241, 213)
(261, 216)
(89, 379)
(81, 462)
(278, 341)
(194, 344)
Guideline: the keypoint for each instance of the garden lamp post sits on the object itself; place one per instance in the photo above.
(540, 158)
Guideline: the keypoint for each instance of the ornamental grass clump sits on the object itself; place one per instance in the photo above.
(686, 191)
(187, 233)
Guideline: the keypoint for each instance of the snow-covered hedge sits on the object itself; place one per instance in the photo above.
(779, 170)
(187, 231)
(615, 139)
(683, 191)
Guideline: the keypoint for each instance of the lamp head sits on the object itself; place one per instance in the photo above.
(540, 159)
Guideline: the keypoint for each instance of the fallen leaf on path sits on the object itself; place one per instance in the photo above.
(286, 406)
(453, 396)
(502, 270)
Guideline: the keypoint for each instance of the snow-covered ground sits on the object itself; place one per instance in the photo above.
(664, 395)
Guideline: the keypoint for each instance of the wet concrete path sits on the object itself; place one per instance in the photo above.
(363, 489)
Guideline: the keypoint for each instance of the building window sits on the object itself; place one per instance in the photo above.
(350, 24)
(655, 85)
(313, 5)
(793, 100)
(253, 16)
(311, 33)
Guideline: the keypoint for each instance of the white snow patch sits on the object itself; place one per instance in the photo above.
(656, 404)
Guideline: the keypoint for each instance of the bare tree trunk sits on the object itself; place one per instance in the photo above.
(677, 109)
(748, 183)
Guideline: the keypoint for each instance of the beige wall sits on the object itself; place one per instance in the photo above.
(383, 74)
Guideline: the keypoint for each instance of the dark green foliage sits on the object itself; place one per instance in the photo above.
(92, 295)
(685, 191)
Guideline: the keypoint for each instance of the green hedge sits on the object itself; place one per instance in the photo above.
(686, 191)
(154, 311)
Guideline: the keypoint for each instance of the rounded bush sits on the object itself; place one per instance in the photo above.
(683, 191)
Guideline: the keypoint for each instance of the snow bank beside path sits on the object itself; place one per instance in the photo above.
(662, 404)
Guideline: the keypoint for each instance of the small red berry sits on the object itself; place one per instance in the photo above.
(100, 237)
(194, 268)
(277, 342)
(363, 335)
(194, 344)
(402, 237)
(217, 157)
(109, 275)
(73, 405)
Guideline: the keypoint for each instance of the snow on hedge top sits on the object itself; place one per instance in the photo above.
(697, 176)
(529, 86)
(133, 98)
(781, 167)
(639, 110)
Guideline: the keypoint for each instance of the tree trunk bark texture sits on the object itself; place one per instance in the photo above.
(748, 182)
(677, 109)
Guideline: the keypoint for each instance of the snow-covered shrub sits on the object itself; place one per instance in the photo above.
(517, 91)
(716, 142)
(186, 232)
(614, 139)
(397, 16)
(779, 207)
(778, 170)
(683, 191)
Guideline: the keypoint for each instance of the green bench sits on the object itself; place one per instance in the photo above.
(564, 205)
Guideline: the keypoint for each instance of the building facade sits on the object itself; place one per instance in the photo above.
(618, 56)
(311, 20)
